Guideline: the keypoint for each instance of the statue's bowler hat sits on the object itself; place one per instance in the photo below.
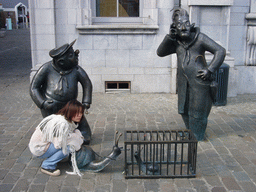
(57, 52)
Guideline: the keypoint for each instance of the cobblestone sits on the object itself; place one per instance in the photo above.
(226, 159)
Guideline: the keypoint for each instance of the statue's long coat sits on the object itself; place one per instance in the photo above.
(194, 95)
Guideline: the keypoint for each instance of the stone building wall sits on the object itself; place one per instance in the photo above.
(127, 51)
(127, 54)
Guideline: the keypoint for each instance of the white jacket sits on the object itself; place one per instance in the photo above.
(57, 130)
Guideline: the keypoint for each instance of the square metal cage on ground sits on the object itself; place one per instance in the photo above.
(160, 154)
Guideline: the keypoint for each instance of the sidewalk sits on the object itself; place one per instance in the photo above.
(226, 161)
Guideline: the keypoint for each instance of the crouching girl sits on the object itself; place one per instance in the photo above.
(56, 137)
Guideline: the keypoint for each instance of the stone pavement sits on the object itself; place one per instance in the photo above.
(226, 160)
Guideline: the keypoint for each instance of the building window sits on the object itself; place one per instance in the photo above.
(114, 17)
(117, 12)
(117, 8)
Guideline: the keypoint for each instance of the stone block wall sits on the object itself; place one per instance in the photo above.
(127, 55)
(127, 52)
(42, 31)
(225, 22)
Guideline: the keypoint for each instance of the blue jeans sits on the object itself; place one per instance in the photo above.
(53, 156)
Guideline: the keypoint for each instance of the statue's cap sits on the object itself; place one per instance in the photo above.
(57, 52)
(179, 12)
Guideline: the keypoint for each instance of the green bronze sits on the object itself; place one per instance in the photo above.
(195, 85)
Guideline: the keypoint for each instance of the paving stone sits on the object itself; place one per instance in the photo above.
(7, 164)
(3, 173)
(250, 170)
(167, 187)
(11, 178)
(18, 167)
(222, 170)
(52, 186)
(21, 185)
(87, 185)
(208, 171)
(5, 140)
(182, 183)
(69, 189)
(118, 173)
(103, 179)
(23, 159)
(36, 188)
(71, 180)
(119, 185)
(185, 190)
(241, 176)
(248, 186)
(229, 160)
(242, 160)
(222, 150)
(30, 173)
(135, 185)
(213, 180)
(105, 188)
(15, 153)
(219, 189)
(216, 143)
(4, 154)
(6, 187)
(151, 185)
(197, 182)
(41, 178)
(230, 183)
(35, 163)
(235, 168)
(202, 188)
(211, 153)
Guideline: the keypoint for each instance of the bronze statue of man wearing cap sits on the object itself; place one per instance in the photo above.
(56, 83)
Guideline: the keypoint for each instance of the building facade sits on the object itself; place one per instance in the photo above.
(118, 39)
(16, 11)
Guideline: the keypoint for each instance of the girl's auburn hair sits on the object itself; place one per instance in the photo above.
(71, 109)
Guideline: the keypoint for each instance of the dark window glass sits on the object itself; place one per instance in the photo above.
(128, 8)
(120, 8)
(123, 85)
(112, 86)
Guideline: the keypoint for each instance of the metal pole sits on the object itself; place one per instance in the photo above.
(23, 13)
(117, 8)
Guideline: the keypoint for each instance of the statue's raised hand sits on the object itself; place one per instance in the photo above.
(173, 31)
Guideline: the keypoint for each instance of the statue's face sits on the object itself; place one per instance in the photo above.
(183, 26)
(69, 60)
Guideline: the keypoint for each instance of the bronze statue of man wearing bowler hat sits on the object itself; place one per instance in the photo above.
(56, 83)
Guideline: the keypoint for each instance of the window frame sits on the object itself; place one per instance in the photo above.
(117, 89)
(116, 20)
(89, 24)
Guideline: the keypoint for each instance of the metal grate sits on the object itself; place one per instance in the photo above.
(117, 86)
(160, 154)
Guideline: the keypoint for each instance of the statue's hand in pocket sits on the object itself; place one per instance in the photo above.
(48, 104)
(204, 74)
